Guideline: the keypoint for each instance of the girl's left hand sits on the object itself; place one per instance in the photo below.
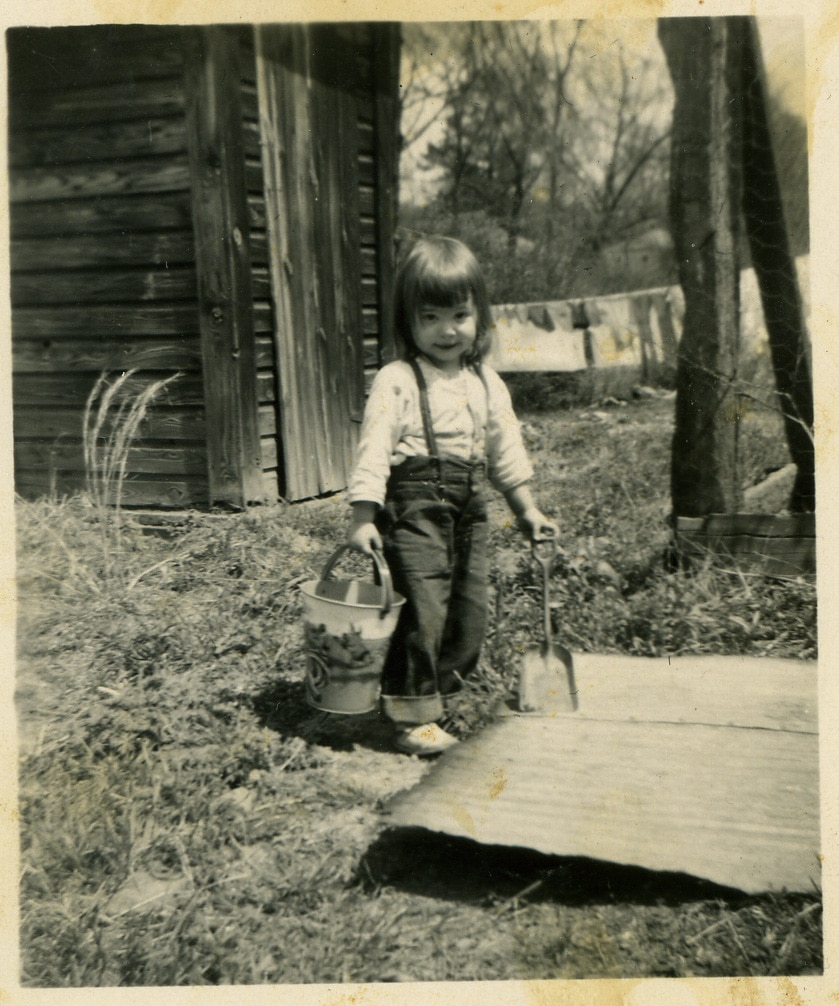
(537, 526)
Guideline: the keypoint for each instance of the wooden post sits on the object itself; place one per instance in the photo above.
(222, 261)
(704, 58)
(775, 270)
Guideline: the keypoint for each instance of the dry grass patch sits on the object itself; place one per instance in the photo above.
(187, 819)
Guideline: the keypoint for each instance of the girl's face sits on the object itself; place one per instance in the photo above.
(444, 334)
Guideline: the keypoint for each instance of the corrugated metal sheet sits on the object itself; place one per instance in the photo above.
(701, 765)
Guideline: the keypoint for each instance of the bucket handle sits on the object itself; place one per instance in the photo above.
(382, 574)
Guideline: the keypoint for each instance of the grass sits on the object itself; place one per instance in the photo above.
(187, 819)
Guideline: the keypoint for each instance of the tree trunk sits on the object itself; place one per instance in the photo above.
(703, 55)
(775, 269)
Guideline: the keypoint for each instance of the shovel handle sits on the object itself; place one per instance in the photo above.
(544, 551)
(381, 573)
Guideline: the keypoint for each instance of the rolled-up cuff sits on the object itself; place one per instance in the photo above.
(413, 708)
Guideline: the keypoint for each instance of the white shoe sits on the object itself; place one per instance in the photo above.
(426, 739)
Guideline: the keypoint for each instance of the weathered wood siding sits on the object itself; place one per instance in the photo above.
(210, 201)
(322, 94)
(103, 268)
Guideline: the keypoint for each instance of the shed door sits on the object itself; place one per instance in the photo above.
(308, 118)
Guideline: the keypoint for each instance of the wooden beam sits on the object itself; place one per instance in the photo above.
(221, 225)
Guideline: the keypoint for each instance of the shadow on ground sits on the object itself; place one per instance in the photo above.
(441, 866)
(282, 707)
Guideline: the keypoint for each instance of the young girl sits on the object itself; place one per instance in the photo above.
(437, 424)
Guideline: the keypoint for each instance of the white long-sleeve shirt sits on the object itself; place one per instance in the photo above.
(472, 421)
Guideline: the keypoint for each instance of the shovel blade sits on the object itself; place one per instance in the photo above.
(546, 682)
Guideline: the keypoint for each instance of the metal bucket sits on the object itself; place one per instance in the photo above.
(347, 626)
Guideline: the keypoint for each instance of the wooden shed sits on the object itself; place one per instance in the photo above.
(217, 202)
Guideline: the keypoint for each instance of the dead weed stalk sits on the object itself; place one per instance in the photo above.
(110, 426)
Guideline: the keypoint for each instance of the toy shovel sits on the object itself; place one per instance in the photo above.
(546, 681)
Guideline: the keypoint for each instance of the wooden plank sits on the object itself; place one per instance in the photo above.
(370, 321)
(116, 102)
(269, 452)
(256, 212)
(265, 386)
(744, 544)
(312, 474)
(759, 525)
(367, 169)
(137, 491)
(95, 320)
(252, 139)
(163, 422)
(738, 806)
(681, 751)
(99, 142)
(137, 175)
(367, 200)
(777, 545)
(767, 693)
(313, 215)
(369, 262)
(263, 317)
(220, 216)
(284, 110)
(253, 174)
(271, 484)
(34, 356)
(176, 248)
(366, 140)
(267, 420)
(371, 353)
(85, 287)
(249, 102)
(368, 230)
(265, 356)
(73, 389)
(184, 459)
(41, 59)
(165, 211)
(338, 302)
(261, 282)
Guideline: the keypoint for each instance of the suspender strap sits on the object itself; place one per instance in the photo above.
(479, 370)
(430, 439)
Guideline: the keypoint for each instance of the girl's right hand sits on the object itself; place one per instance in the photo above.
(365, 538)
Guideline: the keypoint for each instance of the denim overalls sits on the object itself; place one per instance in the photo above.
(434, 525)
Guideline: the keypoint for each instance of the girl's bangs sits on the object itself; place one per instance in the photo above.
(442, 290)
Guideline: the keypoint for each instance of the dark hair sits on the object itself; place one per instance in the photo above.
(442, 272)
